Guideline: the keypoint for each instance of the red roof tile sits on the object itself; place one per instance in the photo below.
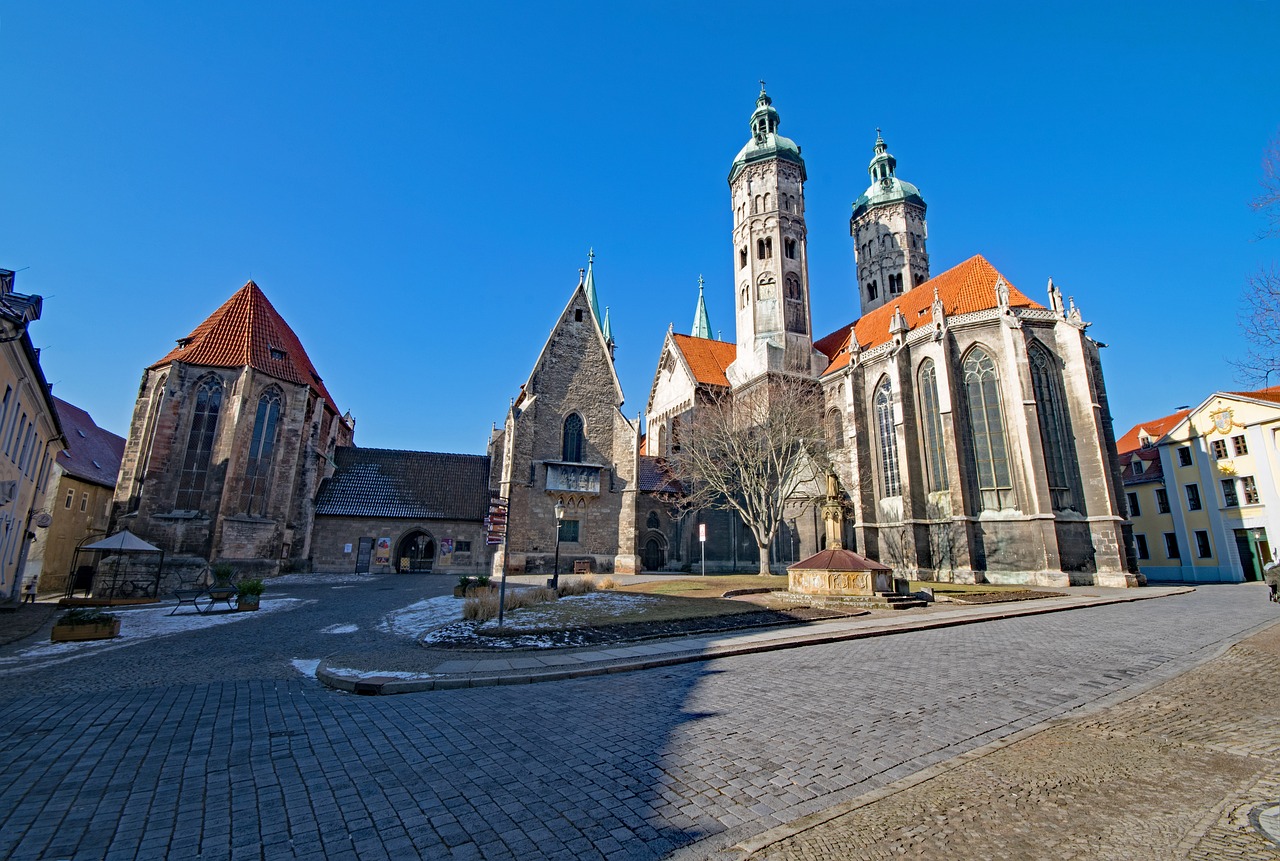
(967, 287)
(1155, 428)
(707, 358)
(1271, 393)
(247, 330)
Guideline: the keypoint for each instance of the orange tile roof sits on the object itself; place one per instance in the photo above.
(244, 331)
(706, 357)
(1155, 429)
(1271, 393)
(967, 287)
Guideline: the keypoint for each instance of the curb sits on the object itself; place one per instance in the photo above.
(387, 684)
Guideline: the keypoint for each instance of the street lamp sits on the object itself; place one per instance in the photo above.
(555, 577)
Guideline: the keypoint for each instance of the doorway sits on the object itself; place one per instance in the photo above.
(363, 554)
(655, 555)
(415, 553)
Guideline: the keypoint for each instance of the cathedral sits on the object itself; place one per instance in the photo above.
(972, 420)
(970, 423)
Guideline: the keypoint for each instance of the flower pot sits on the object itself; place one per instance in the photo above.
(248, 602)
(74, 633)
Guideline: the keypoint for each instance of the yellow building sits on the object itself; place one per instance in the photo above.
(30, 435)
(1201, 487)
(80, 487)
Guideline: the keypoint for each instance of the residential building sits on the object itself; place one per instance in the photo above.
(1201, 487)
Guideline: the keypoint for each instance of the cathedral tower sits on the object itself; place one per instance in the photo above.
(889, 232)
(770, 263)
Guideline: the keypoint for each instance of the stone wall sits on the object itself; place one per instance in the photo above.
(336, 541)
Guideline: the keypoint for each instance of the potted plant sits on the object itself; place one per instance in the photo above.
(249, 594)
(85, 623)
(464, 583)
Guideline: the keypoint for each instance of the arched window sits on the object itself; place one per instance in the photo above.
(935, 454)
(835, 428)
(653, 522)
(789, 246)
(767, 201)
(986, 419)
(149, 438)
(675, 435)
(759, 249)
(1055, 428)
(745, 295)
(262, 446)
(872, 289)
(571, 442)
(888, 440)
(195, 462)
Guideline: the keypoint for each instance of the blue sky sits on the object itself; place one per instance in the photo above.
(415, 186)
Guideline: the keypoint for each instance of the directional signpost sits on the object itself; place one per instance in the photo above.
(496, 527)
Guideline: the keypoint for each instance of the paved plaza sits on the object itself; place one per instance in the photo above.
(215, 743)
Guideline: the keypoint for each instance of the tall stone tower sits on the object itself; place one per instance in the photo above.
(889, 232)
(770, 264)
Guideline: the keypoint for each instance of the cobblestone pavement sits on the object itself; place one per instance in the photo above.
(1172, 773)
(209, 745)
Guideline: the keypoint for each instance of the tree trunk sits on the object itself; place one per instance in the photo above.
(764, 560)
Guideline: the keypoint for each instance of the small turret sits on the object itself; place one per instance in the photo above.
(701, 322)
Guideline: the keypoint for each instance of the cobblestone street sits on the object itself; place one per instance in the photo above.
(210, 745)
(1172, 773)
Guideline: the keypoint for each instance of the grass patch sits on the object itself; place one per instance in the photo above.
(705, 587)
(483, 607)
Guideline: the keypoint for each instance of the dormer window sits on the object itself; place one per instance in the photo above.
(183, 343)
(277, 353)
(1138, 466)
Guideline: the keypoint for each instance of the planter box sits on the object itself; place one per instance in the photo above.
(248, 602)
(473, 591)
(73, 633)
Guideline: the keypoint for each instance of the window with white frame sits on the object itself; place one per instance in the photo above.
(1229, 497)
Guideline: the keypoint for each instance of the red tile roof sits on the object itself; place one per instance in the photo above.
(838, 560)
(707, 358)
(92, 454)
(1155, 428)
(1152, 469)
(1271, 393)
(967, 287)
(245, 331)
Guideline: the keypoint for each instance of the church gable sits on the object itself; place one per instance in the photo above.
(575, 358)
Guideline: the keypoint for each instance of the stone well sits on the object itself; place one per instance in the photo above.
(838, 572)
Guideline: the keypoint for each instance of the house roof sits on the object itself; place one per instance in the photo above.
(1152, 468)
(655, 477)
(1155, 428)
(707, 358)
(1271, 393)
(92, 454)
(423, 485)
(838, 560)
(962, 289)
(248, 331)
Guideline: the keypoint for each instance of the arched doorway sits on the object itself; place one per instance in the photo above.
(655, 555)
(416, 553)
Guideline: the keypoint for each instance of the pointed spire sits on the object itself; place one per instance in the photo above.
(590, 284)
(883, 164)
(701, 322)
(605, 328)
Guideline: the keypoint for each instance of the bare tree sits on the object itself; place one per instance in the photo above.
(749, 452)
(1260, 316)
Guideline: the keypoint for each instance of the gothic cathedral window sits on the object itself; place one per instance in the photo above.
(253, 495)
(195, 462)
(1055, 428)
(935, 454)
(890, 481)
(991, 471)
(571, 442)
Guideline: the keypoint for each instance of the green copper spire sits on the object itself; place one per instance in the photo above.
(592, 299)
(701, 322)
(605, 329)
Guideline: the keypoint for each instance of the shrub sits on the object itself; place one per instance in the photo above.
(582, 586)
(608, 583)
(483, 580)
(222, 572)
(464, 580)
(483, 607)
(85, 616)
(254, 587)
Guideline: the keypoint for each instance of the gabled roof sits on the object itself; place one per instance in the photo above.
(1152, 468)
(1271, 393)
(962, 289)
(707, 358)
(1155, 428)
(655, 477)
(423, 485)
(248, 331)
(838, 560)
(92, 454)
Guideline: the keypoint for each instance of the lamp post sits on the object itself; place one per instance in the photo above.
(555, 577)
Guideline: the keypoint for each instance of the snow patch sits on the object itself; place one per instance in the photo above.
(411, 621)
(137, 626)
(348, 673)
(340, 629)
(306, 666)
(604, 603)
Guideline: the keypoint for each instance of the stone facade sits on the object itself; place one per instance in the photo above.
(223, 461)
(336, 548)
(572, 392)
